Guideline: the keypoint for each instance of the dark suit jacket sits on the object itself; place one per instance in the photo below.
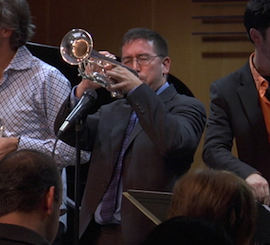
(160, 148)
(19, 235)
(235, 112)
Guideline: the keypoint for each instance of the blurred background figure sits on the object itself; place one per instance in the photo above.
(31, 195)
(31, 92)
(220, 196)
(240, 110)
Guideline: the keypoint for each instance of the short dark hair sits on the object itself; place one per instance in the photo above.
(188, 231)
(160, 44)
(257, 15)
(15, 15)
(25, 176)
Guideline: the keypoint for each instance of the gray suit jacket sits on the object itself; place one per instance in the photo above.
(235, 112)
(161, 147)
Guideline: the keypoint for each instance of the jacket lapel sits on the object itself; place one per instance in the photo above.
(249, 98)
(120, 120)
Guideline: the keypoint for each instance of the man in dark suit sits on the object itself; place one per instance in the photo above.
(240, 110)
(31, 195)
(161, 146)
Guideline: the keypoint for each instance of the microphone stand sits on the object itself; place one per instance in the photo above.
(78, 129)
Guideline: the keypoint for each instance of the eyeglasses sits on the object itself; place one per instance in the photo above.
(142, 60)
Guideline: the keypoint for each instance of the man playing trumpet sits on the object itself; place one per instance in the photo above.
(144, 141)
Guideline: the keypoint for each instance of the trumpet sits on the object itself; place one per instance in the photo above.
(76, 48)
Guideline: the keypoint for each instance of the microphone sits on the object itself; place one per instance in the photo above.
(89, 97)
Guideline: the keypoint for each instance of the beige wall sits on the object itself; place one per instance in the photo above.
(108, 20)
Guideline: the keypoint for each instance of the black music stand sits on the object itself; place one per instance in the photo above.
(152, 204)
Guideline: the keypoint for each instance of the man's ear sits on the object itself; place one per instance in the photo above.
(166, 65)
(255, 36)
(6, 32)
(49, 200)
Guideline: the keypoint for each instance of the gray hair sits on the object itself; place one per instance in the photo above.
(15, 15)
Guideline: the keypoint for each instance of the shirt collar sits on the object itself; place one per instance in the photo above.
(162, 88)
(260, 82)
(21, 59)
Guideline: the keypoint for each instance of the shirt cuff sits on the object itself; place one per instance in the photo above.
(73, 99)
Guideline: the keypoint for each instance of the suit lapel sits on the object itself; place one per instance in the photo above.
(136, 130)
(249, 98)
(120, 120)
(250, 102)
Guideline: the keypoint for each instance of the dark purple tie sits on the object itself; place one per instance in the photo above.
(110, 197)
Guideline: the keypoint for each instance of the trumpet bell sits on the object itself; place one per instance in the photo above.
(76, 46)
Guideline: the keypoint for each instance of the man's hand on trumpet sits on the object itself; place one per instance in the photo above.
(86, 84)
(125, 80)
(91, 67)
